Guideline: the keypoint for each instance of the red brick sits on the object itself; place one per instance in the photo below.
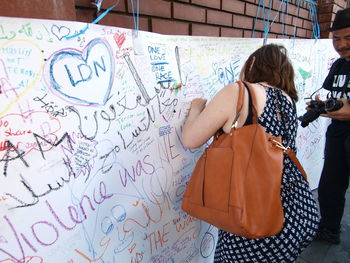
(159, 8)
(277, 5)
(49, 9)
(303, 13)
(297, 21)
(259, 25)
(85, 3)
(169, 27)
(324, 17)
(292, 10)
(325, 9)
(276, 28)
(231, 32)
(188, 12)
(283, 36)
(289, 30)
(325, 34)
(105, 4)
(219, 18)
(286, 19)
(325, 26)
(309, 34)
(233, 6)
(205, 30)
(308, 24)
(85, 15)
(274, 15)
(249, 34)
(301, 32)
(242, 21)
(284, 30)
(272, 35)
(124, 21)
(209, 3)
(250, 10)
(121, 6)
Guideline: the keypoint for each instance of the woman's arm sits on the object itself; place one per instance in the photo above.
(203, 121)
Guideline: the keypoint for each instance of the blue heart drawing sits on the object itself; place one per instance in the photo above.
(60, 31)
(85, 77)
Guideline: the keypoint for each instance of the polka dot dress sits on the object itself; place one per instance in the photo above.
(301, 216)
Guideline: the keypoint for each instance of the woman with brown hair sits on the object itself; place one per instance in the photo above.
(271, 77)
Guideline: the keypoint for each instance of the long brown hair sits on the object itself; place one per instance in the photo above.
(271, 65)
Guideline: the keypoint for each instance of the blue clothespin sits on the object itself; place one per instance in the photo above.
(98, 4)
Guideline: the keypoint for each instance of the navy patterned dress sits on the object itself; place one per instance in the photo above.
(301, 217)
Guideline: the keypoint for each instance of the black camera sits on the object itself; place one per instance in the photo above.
(319, 107)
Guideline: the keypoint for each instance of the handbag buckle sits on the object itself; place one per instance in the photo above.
(280, 145)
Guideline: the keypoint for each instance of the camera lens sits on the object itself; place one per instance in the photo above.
(333, 104)
(308, 117)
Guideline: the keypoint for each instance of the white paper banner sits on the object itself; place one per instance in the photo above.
(92, 167)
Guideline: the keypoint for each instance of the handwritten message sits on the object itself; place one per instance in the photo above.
(92, 166)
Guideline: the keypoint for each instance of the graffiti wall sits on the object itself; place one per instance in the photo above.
(92, 167)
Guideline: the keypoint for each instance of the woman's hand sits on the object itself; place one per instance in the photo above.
(196, 106)
(205, 119)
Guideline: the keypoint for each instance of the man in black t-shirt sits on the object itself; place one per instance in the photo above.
(334, 179)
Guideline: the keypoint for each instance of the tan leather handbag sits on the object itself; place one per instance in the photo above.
(236, 183)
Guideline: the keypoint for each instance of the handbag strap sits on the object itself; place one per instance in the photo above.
(295, 160)
(254, 103)
(239, 102)
(286, 150)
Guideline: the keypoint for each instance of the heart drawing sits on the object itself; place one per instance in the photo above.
(60, 31)
(85, 77)
(119, 39)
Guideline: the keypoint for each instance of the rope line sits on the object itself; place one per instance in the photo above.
(135, 14)
(265, 16)
(95, 21)
(283, 10)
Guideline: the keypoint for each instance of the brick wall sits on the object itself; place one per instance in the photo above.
(46, 9)
(226, 18)
(326, 13)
